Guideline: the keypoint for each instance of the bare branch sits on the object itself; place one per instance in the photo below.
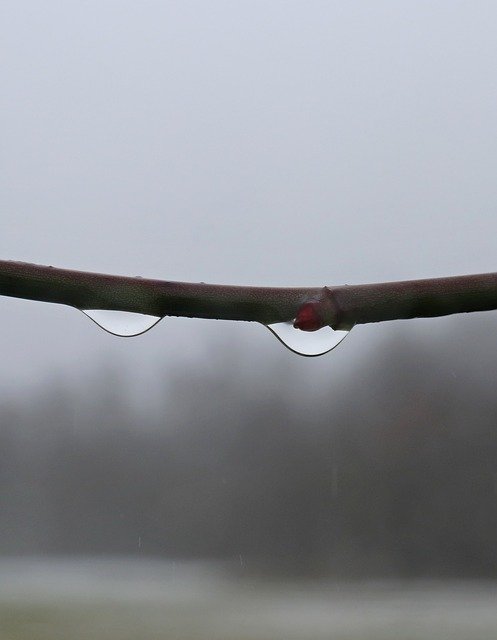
(339, 307)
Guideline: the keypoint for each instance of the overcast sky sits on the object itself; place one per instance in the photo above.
(251, 142)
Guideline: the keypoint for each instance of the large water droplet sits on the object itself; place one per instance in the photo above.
(307, 343)
(121, 323)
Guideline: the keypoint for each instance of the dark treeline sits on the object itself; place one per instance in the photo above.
(390, 473)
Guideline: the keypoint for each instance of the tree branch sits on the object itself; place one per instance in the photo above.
(340, 307)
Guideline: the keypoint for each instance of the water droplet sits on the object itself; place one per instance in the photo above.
(307, 343)
(122, 323)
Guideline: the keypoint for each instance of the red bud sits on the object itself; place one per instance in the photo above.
(309, 317)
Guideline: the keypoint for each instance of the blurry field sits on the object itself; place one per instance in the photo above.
(107, 600)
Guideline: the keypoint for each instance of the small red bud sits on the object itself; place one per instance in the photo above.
(309, 317)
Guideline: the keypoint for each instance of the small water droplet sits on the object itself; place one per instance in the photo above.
(307, 343)
(121, 323)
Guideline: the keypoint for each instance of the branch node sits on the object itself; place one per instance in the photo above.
(320, 312)
(334, 314)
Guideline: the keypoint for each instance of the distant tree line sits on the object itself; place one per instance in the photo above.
(393, 472)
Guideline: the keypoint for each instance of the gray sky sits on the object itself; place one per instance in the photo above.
(261, 142)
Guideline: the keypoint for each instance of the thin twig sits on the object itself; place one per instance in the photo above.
(340, 307)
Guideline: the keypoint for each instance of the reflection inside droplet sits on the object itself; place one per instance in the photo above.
(307, 343)
(121, 323)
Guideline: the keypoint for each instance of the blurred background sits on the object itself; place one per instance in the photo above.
(200, 481)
